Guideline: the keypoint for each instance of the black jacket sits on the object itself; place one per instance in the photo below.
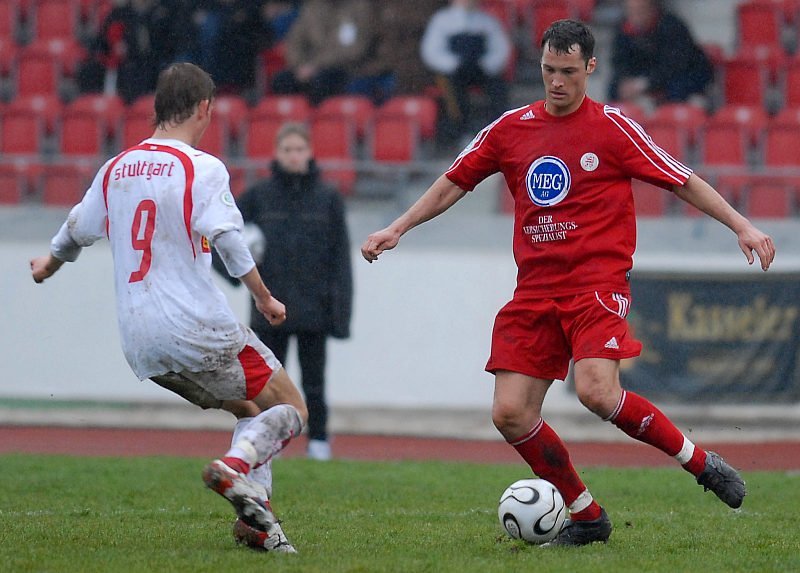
(667, 55)
(307, 252)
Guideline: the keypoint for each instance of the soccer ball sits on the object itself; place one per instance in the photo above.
(532, 509)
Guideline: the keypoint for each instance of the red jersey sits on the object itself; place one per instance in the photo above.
(570, 176)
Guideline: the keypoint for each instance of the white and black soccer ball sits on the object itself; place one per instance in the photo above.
(532, 509)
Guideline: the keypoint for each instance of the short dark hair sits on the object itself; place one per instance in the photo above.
(563, 34)
(181, 86)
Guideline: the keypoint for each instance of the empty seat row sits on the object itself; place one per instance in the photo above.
(757, 196)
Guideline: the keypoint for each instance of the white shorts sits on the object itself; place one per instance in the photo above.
(242, 378)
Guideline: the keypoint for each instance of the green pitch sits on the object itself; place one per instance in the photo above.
(147, 514)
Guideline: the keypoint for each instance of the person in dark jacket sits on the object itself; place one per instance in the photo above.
(655, 56)
(302, 222)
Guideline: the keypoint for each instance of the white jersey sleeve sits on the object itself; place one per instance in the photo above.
(85, 224)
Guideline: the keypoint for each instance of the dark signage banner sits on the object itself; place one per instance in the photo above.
(716, 338)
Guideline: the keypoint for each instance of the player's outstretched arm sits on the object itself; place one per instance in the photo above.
(703, 196)
(439, 197)
(272, 309)
(44, 267)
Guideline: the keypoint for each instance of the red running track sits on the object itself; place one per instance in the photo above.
(782, 455)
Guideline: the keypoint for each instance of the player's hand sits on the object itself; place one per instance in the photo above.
(378, 242)
(751, 239)
(44, 267)
(272, 309)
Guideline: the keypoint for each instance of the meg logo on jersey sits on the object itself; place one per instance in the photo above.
(548, 181)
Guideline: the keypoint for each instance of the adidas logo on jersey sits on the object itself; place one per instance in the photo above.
(612, 343)
(527, 115)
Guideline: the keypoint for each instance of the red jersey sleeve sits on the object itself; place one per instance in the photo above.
(479, 159)
(641, 158)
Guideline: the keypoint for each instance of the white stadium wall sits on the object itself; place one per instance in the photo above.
(420, 333)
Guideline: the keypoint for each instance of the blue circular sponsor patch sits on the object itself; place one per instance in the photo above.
(548, 181)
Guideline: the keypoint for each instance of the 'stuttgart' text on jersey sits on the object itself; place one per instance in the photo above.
(570, 176)
(159, 203)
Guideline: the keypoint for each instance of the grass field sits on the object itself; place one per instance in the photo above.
(60, 513)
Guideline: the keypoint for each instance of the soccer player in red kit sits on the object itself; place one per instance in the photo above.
(568, 161)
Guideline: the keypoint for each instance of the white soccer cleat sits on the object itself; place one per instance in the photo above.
(249, 498)
(272, 540)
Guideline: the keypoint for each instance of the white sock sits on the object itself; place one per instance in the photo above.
(266, 434)
(686, 453)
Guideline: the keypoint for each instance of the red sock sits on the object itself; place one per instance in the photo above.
(641, 420)
(545, 453)
(698, 462)
(237, 464)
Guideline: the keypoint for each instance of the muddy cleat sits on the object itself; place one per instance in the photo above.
(272, 540)
(249, 498)
(719, 477)
(577, 533)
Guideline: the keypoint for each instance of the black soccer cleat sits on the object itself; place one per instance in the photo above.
(719, 477)
(576, 533)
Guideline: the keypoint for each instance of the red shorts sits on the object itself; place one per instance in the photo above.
(539, 337)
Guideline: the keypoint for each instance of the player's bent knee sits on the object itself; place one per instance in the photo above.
(507, 417)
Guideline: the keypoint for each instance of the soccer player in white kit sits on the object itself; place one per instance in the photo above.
(161, 204)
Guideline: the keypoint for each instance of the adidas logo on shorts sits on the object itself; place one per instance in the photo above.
(612, 343)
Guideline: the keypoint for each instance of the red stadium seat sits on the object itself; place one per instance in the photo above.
(768, 200)
(143, 104)
(215, 139)
(44, 64)
(83, 133)
(423, 109)
(48, 107)
(758, 23)
(36, 73)
(686, 117)
(753, 119)
(356, 109)
(744, 82)
(137, 126)
(544, 13)
(333, 140)
(649, 200)
(504, 10)
(14, 182)
(724, 143)
(231, 110)
(782, 145)
(288, 107)
(791, 84)
(22, 132)
(259, 138)
(111, 108)
(65, 185)
(55, 19)
(395, 139)
(9, 19)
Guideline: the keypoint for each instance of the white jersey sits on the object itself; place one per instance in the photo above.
(159, 204)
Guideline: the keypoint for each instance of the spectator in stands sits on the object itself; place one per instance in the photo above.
(465, 47)
(655, 58)
(225, 39)
(397, 67)
(301, 221)
(327, 46)
(134, 43)
(280, 15)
